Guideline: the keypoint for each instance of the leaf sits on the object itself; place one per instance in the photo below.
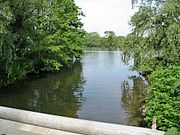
(177, 103)
(173, 131)
(177, 84)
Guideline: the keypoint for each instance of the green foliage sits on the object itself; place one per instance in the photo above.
(173, 131)
(93, 39)
(161, 101)
(177, 84)
(51, 65)
(37, 35)
(154, 44)
(110, 39)
(154, 40)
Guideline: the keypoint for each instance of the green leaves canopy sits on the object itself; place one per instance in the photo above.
(156, 34)
(110, 39)
(37, 35)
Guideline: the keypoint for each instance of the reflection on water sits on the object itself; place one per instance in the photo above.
(59, 93)
(100, 87)
(132, 99)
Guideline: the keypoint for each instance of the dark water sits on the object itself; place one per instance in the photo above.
(100, 87)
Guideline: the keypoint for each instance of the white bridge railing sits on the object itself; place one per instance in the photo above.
(72, 125)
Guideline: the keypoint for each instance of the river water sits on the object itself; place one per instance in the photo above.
(100, 87)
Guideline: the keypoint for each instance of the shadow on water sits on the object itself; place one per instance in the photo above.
(58, 93)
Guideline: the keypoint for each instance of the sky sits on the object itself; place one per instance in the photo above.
(103, 15)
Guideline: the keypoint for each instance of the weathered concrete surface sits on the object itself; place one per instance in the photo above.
(72, 125)
(15, 128)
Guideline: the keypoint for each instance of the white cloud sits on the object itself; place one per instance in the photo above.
(102, 15)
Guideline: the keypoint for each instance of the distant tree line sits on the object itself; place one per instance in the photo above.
(109, 39)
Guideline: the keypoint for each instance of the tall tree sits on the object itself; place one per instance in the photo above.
(37, 35)
(93, 39)
(155, 45)
(157, 23)
(110, 38)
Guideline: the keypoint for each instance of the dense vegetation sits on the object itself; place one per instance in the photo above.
(109, 39)
(154, 43)
(156, 34)
(37, 35)
(165, 93)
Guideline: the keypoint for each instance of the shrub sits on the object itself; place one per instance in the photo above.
(163, 98)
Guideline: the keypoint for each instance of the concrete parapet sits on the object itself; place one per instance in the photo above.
(72, 125)
(8, 127)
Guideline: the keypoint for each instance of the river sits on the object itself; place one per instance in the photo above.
(99, 87)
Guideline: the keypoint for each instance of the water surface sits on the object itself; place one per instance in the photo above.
(100, 87)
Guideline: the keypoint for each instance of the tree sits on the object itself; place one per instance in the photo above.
(93, 39)
(37, 35)
(157, 23)
(155, 45)
(109, 39)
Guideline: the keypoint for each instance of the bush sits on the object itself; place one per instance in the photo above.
(163, 98)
